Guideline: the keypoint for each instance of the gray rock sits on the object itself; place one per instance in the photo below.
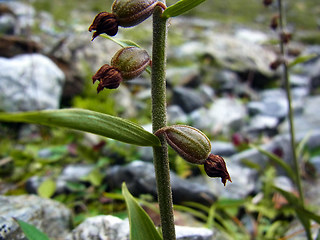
(188, 99)
(227, 81)
(223, 149)
(47, 215)
(244, 182)
(176, 115)
(71, 173)
(315, 161)
(113, 228)
(309, 120)
(29, 82)
(101, 227)
(24, 16)
(140, 179)
(225, 115)
(193, 233)
(261, 123)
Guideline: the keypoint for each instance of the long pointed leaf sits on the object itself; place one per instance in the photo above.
(180, 8)
(31, 232)
(141, 226)
(88, 121)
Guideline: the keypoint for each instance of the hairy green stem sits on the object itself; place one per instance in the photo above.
(159, 120)
(289, 99)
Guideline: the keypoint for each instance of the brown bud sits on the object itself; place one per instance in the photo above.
(190, 143)
(104, 23)
(274, 22)
(108, 76)
(131, 62)
(267, 2)
(277, 63)
(285, 37)
(215, 166)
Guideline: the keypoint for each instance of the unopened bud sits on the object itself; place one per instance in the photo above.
(131, 62)
(274, 22)
(126, 64)
(267, 2)
(285, 37)
(190, 143)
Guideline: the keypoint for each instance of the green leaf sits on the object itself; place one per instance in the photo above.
(31, 232)
(88, 121)
(301, 59)
(141, 226)
(95, 177)
(180, 8)
(47, 188)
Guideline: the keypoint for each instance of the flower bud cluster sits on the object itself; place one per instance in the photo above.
(194, 146)
(126, 64)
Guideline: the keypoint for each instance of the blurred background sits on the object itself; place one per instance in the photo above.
(219, 80)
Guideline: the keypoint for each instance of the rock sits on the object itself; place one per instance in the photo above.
(140, 179)
(101, 227)
(183, 76)
(47, 215)
(24, 16)
(224, 115)
(11, 46)
(244, 182)
(262, 123)
(188, 99)
(234, 54)
(29, 82)
(309, 120)
(223, 149)
(227, 81)
(113, 228)
(315, 161)
(192, 233)
(176, 115)
(7, 19)
(250, 35)
(71, 173)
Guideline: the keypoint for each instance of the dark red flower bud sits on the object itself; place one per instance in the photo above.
(274, 22)
(126, 64)
(267, 2)
(215, 166)
(285, 37)
(277, 63)
(109, 77)
(104, 23)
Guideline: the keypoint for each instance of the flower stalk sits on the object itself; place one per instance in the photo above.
(159, 120)
(289, 100)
